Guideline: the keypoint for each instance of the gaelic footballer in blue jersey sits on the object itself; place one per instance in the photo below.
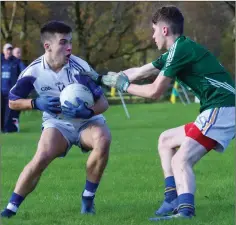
(48, 75)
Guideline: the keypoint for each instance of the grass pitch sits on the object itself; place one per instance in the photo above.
(132, 185)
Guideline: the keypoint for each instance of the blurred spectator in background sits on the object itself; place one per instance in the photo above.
(17, 52)
(11, 67)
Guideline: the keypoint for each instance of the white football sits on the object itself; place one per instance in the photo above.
(76, 90)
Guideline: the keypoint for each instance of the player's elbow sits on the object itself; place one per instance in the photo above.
(105, 105)
(101, 106)
(155, 96)
(154, 93)
(12, 105)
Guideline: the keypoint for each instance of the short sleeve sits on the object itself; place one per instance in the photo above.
(24, 85)
(160, 62)
(22, 88)
(179, 57)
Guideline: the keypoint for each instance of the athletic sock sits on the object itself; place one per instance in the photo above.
(186, 204)
(14, 202)
(170, 189)
(90, 189)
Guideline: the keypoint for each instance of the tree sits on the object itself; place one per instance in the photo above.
(7, 23)
(20, 25)
(106, 31)
(117, 35)
(24, 29)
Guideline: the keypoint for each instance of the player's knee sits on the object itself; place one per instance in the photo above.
(102, 141)
(41, 162)
(163, 141)
(175, 163)
(179, 162)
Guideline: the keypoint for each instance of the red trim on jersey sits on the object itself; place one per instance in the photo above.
(192, 131)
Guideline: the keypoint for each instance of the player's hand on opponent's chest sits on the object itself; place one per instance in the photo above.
(112, 79)
(93, 75)
(50, 105)
(80, 112)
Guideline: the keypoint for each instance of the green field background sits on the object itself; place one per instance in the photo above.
(132, 185)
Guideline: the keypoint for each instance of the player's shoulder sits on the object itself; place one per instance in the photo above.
(186, 44)
(78, 63)
(164, 56)
(187, 47)
(33, 69)
(183, 46)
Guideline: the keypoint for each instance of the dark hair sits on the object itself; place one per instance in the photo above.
(53, 27)
(172, 16)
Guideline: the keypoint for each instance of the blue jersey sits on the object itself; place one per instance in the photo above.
(39, 77)
(10, 70)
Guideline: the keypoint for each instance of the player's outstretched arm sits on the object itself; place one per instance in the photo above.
(110, 78)
(154, 90)
(142, 72)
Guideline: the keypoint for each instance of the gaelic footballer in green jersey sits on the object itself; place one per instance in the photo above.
(193, 66)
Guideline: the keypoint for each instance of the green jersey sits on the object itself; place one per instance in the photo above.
(195, 67)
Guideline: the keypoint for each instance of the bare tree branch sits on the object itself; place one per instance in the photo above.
(30, 16)
(134, 50)
(102, 38)
(7, 28)
(114, 55)
(4, 16)
(92, 25)
(12, 16)
(86, 12)
(115, 10)
(115, 30)
(24, 30)
(117, 13)
(231, 5)
(80, 27)
(3, 34)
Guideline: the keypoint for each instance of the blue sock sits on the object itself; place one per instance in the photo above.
(186, 204)
(14, 202)
(16, 199)
(90, 189)
(12, 206)
(170, 189)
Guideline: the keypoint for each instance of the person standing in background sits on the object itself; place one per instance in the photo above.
(11, 67)
(17, 52)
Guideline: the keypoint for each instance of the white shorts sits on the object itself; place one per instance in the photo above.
(71, 132)
(218, 124)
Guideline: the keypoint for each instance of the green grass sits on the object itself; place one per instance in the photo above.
(132, 185)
